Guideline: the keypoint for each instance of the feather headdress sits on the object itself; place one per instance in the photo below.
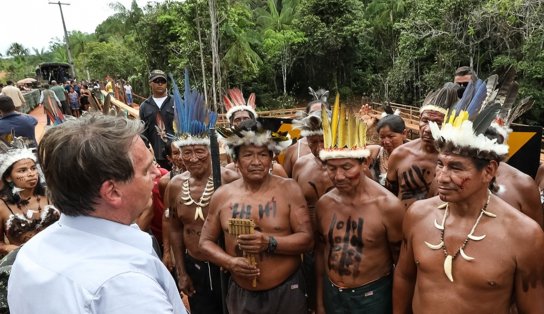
(308, 124)
(465, 127)
(14, 150)
(192, 119)
(251, 132)
(236, 103)
(320, 95)
(344, 134)
(442, 99)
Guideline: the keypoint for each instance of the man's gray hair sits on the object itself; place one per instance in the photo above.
(78, 156)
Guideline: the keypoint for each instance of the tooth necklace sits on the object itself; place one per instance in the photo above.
(448, 261)
(204, 199)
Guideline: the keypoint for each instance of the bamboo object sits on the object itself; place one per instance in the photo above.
(238, 226)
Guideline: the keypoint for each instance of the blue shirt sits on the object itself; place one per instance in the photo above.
(90, 265)
(21, 124)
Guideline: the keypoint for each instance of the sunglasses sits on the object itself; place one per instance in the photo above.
(159, 81)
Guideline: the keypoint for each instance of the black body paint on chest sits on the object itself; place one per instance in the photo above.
(345, 252)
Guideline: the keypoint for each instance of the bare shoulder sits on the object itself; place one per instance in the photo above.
(228, 175)
(285, 184)
(230, 166)
(374, 150)
(384, 198)
(302, 161)
(422, 209)
(403, 151)
(518, 226)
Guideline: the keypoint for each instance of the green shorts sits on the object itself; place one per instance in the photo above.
(375, 297)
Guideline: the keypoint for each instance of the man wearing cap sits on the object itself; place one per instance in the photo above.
(358, 224)
(411, 166)
(266, 227)
(157, 112)
(466, 250)
(60, 92)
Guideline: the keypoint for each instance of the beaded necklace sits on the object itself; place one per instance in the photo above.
(448, 261)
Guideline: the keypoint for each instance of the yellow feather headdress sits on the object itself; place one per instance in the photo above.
(344, 133)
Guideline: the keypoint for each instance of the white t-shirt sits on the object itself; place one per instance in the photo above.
(128, 89)
(91, 265)
(159, 101)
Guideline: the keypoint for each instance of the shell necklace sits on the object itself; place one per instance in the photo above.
(29, 212)
(448, 261)
(204, 199)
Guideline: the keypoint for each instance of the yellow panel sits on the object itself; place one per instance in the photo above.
(516, 140)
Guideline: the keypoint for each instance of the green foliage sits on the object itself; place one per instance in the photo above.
(395, 50)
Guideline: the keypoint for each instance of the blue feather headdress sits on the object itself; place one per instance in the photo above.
(192, 118)
(469, 128)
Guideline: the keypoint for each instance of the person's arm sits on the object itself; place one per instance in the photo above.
(392, 181)
(319, 254)
(167, 258)
(299, 241)
(21, 97)
(58, 101)
(288, 163)
(176, 238)
(278, 170)
(529, 280)
(405, 272)
(135, 293)
(211, 231)
(393, 212)
(530, 204)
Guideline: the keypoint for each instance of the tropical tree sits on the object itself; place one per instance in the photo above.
(280, 34)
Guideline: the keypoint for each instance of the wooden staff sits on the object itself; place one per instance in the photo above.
(238, 226)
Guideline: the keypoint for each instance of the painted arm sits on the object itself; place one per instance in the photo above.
(393, 217)
(319, 262)
(529, 280)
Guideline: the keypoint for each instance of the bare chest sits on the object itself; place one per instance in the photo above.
(270, 214)
(415, 177)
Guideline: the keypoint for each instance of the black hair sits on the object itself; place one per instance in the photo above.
(248, 125)
(394, 122)
(167, 151)
(7, 193)
(6, 104)
(466, 70)
(9, 82)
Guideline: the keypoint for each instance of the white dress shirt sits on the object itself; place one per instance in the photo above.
(90, 265)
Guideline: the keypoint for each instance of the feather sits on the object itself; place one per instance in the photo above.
(507, 98)
(313, 93)
(227, 102)
(342, 127)
(524, 105)
(251, 100)
(352, 130)
(477, 101)
(485, 117)
(491, 83)
(387, 108)
(334, 119)
(327, 136)
(464, 102)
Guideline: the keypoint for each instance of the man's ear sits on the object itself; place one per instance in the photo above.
(490, 171)
(110, 193)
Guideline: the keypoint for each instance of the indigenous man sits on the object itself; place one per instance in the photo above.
(411, 166)
(264, 262)
(511, 185)
(466, 250)
(300, 148)
(237, 112)
(359, 225)
(188, 196)
(311, 175)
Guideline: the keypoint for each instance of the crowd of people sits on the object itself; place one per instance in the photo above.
(440, 224)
